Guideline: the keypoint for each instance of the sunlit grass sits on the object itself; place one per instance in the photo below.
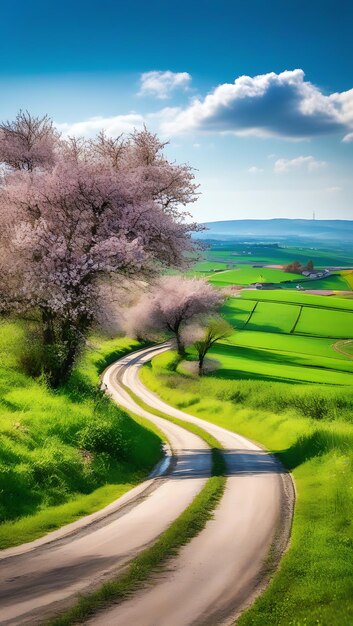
(314, 584)
(68, 453)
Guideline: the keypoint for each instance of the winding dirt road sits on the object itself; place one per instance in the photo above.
(213, 577)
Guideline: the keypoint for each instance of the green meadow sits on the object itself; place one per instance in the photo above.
(336, 282)
(67, 453)
(258, 253)
(297, 297)
(246, 274)
(286, 340)
(310, 428)
(284, 379)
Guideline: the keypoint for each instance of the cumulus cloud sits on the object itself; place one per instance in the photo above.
(308, 163)
(112, 125)
(255, 170)
(268, 105)
(162, 84)
(348, 138)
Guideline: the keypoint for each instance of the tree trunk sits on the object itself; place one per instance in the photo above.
(180, 345)
(70, 341)
(61, 344)
(201, 360)
(48, 328)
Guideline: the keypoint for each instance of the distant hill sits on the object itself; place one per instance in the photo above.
(279, 230)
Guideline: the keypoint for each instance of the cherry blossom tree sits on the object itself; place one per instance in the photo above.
(28, 142)
(170, 305)
(74, 218)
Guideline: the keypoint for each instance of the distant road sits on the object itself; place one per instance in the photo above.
(340, 345)
(212, 578)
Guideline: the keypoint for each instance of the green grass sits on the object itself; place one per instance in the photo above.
(238, 311)
(236, 252)
(311, 431)
(285, 339)
(188, 525)
(348, 277)
(325, 323)
(334, 282)
(245, 275)
(302, 345)
(268, 364)
(64, 454)
(298, 297)
(346, 348)
(273, 316)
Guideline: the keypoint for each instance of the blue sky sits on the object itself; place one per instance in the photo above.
(277, 143)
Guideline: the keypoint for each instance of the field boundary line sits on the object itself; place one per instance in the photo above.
(309, 306)
(291, 332)
(250, 316)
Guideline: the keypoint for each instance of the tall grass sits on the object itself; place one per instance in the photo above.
(64, 453)
(310, 429)
(320, 402)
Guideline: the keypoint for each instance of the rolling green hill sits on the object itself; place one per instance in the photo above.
(283, 340)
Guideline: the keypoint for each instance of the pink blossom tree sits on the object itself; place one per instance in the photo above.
(73, 218)
(170, 305)
(28, 142)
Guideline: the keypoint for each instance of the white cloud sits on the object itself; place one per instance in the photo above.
(280, 105)
(309, 163)
(333, 189)
(255, 170)
(112, 125)
(162, 84)
(348, 138)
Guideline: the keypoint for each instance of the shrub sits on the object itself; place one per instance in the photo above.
(103, 435)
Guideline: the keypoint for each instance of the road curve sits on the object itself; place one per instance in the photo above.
(213, 577)
(39, 579)
(222, 570)
(338, 346)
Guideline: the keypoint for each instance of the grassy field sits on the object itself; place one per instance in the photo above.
(284, 379)
(298, 297)
(235, 252)
(348, 277)
(275, 316)
(310, 428)
(63, 454)
(235, 265)
(286, 340)
(336, 282)
(246, 275)
(268, 364)
(325, 323)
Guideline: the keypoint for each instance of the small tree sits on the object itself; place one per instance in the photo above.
(170, 305)
(310, 266)
(216, 329)
(294, 267)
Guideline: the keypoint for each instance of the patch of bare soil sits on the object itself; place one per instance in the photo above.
(210, 365)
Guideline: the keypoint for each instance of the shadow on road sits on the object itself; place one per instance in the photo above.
(194, 464)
